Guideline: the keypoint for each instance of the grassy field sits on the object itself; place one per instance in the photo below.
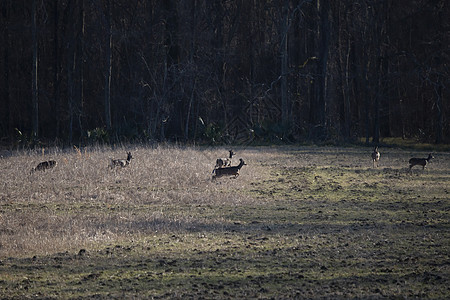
(299, 222)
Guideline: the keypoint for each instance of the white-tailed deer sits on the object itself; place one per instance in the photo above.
(229, 171)
(420, 161)
(224, 162)
(375, 156)
(45, 165)
(121, 162)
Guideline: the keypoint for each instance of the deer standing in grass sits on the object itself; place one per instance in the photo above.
(224, 162)
(45, 165)
(229, 171)
(420, 161)
(121, 162)
(375, 156)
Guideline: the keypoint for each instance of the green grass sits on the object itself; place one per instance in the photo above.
(299, 222)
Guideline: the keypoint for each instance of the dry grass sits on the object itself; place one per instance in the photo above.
(82, 201)
(303, 222)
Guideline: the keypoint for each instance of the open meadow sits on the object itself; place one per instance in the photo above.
(299, 222)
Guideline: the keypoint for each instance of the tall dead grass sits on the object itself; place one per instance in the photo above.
(82, 202)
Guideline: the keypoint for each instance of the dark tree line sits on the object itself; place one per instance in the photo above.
(76, 71)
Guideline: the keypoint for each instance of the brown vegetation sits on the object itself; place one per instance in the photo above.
(299, 222)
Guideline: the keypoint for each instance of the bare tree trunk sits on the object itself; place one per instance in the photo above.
(400, 106)
(57, 102)
(347, 113)
(70, 64)
(188, 117)
(80, 66)
(70, 83)
(385, 104)
(438, 88)
(380, 73)
(284, 65)
(108, 68)
(439, 116)
(378, 95)
(376, 127)
(365, 81)
(6, 90)
(344, 71)
(366, 103)
(34, 88)
(191, 58)
(324, 36)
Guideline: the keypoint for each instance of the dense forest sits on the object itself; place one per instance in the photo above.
(229, 71)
